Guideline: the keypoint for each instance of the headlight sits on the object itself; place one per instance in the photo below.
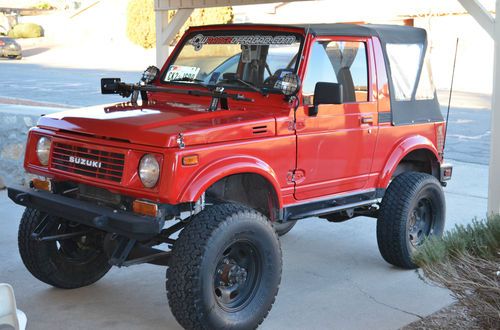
(43, 150)
(149, 171)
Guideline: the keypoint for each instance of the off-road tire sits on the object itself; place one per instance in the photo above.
(282, 228)
(47, 262)
(397, 214)
(196, 254)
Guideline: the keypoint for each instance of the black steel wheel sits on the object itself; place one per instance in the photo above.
(225, 269)
(67, 255)
(237, 275)
(283, 228)
(422, 217)
(413, 209)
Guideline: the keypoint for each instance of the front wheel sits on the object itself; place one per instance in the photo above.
(73, 261)
(225, 269)
(413, 209)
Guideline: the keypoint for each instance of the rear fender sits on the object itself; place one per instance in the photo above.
(404, 148)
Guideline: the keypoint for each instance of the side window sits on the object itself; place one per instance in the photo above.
(343, 62)
(404, 60)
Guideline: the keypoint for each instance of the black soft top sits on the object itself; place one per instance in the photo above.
(407, 107)
(403, 111)
(386, 33)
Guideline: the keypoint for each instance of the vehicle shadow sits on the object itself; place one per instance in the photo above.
(34, 51)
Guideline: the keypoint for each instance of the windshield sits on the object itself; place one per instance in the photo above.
(259, 58)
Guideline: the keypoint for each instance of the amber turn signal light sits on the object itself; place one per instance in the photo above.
(190, 160)
(145, 208)
(41, 184)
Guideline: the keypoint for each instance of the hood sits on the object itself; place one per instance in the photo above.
(160, 124)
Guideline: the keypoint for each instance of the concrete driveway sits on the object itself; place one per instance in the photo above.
(333, 278)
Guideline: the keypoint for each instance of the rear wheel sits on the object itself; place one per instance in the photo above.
(413, 209)
(225, 269)
(70, 262)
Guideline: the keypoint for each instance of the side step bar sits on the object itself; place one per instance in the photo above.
(335, 204)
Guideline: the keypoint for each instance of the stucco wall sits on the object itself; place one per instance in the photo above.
(15, 121)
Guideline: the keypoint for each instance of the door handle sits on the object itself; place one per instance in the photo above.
(366, 119)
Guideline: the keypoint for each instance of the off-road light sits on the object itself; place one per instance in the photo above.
(149, 170)
(150, 74)
(43, 150)
(289, 84)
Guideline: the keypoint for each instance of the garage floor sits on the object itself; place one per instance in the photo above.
(333, 278)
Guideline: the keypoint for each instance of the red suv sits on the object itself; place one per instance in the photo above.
(243, 131)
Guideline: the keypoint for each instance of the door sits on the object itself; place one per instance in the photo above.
(335, 148)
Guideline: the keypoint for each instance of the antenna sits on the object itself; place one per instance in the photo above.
(449, 98)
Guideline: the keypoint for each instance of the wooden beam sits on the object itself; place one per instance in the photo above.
(177, 4)
(173, 27)
(480, 14)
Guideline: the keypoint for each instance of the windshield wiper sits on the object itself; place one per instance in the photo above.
(233, 77)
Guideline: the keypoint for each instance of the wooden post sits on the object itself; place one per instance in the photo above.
(494, 171)
(166, 31)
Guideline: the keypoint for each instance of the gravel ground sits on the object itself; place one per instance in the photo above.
(451, 317)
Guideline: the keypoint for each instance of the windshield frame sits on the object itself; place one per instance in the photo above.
(245, 30)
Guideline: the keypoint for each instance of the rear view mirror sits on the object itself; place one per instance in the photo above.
(109, 85)
(326, 93)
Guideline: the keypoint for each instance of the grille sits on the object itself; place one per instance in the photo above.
(89, 162)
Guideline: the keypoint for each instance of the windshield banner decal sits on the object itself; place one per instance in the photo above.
(199, 40)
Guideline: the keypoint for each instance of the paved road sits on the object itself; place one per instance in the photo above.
(469, 135)
(75, 87)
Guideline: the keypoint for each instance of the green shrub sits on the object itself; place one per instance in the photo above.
(141, 21)
(480, 239)
(467, 262)
(44, 6)
(205, 16)
(26, 30)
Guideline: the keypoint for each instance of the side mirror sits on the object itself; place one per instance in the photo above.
(326, 93)
(230, 76)
(110, 85)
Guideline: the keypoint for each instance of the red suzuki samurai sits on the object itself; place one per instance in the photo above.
(243, 131)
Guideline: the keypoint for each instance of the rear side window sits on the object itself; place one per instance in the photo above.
(404, 60)
(343, 62)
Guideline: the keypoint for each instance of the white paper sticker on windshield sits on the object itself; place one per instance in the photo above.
(179, 72)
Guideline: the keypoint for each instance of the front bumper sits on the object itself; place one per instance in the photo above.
(101, 217)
